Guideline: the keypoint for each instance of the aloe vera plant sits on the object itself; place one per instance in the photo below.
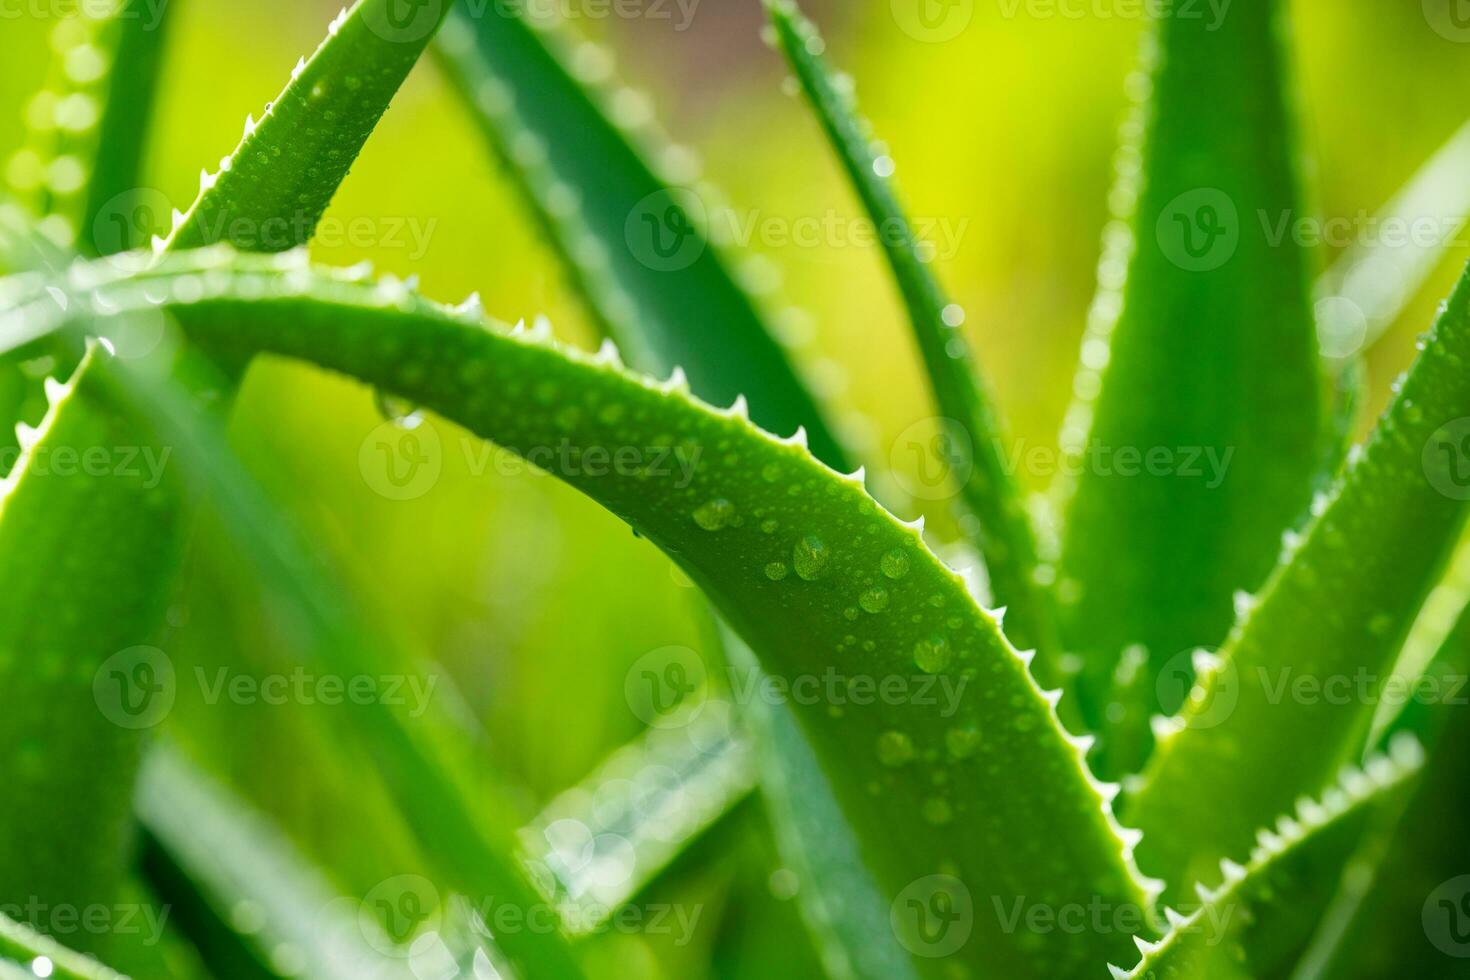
(945, 806)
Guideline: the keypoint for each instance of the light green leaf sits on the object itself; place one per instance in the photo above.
(89, 127)
(26, 954)
(1332, 617)
(1005, 537)
(247, 898)
(625, 212)
(1196, 428)
(1283, 872)
(1372, 281)
(603, 840)
(804, 564)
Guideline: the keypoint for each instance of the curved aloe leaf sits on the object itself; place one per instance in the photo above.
(1006, 538)
(633, 233)
(1282, 871)
(1196, 426)
(26, 954)
(1336, 609)
(805, 565)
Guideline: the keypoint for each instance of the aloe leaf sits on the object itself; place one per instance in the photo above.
(250, 902)
(61, 774)
(1282, 870)
(630, 224)
(842, 906)
(1372, 281)
(1199, 407)
(26, 954)
(64, 845)
(270, 193)
(1336, 609)
(802, 562)
(89, 128)
(1006, 538)
(603, 840)
(1397, 906)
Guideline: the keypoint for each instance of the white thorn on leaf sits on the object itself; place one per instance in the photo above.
(159, 244)
(678, 380)
(1174, 918)
(178, 219)
(1130, 836)
(1026, 657)
(207, 180)
(1232, 871)
(1118, 973)
(26, 435)
(1144, 946)
(300, 67)
(55, 390)
(249, 125)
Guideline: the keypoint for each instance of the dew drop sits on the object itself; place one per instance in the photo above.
(932, 655)
(896, 564)
(769, 525)
(810, 557)
(714, 514)
(400, 411)
(962, 742)
(850, 613)
(777, 570)
(874, 600)
(883, 166)
(895, 749)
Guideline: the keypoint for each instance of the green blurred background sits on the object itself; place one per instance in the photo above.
(533, 601)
